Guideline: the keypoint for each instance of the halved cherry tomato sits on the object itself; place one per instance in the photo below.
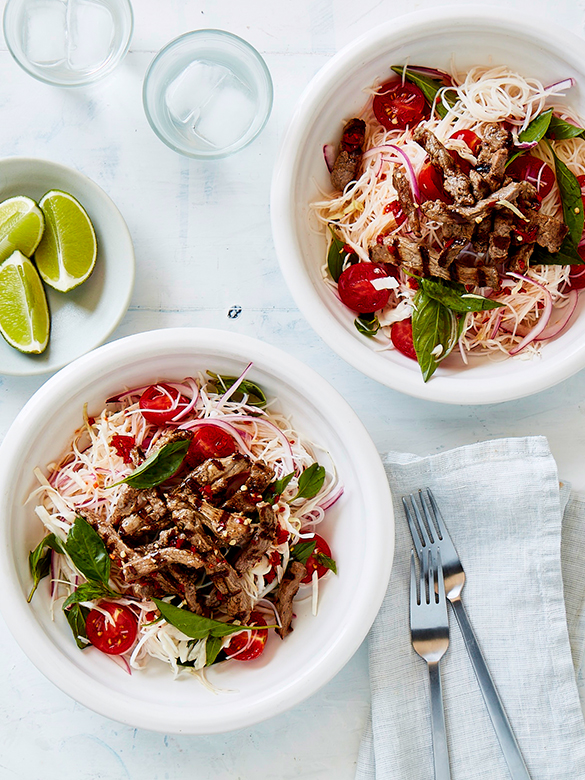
(252, 641)
(209, 441)
(113, 638)
(313, 563)
(357, 291)
(160, 403)
(397, 105)
(401, 337)
(430, 183)
(472, 140)
(533, 170)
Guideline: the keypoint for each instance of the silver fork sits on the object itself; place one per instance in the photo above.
(429, 631)
(433, 536)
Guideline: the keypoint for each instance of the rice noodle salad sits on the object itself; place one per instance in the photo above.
(182, 524)
(456, 220)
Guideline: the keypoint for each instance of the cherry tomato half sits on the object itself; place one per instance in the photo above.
(472, 140)
(313, 563)
(397, 105)
(160, 403)
(357, 291)
(401, 337)
(252, 641)
(113, 638)
(430, 183)
(209, 441)
(533, 170)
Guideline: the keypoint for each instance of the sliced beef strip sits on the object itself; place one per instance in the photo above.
(500, 237)
(477, 276)
(550, 231)
(222, 475)
(246, 498)
(189, 582)
(264, 536)
(348, 160)
(455, 182)
(456, 231)
(493, 155)
(287, 590)
(406, 199)
(483, 208)
(520, 258)
(154, 561)
(384, 253)
(133, 501)
(228, 528)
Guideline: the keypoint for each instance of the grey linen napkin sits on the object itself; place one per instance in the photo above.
(505, 511)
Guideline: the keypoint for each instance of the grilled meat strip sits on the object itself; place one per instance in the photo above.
(289, 586)
(405, 196)
(455, 182)
(351, 149)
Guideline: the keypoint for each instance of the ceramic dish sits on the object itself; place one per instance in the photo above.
(359, 527)
(429, 38)
(83, 318)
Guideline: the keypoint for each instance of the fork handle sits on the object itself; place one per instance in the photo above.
(440, 752)
(504, 733)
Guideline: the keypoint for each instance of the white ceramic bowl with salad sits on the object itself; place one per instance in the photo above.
(352, 500)
(505, 360)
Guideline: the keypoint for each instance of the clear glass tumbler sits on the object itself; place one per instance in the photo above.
(68, 43)
(207, 94)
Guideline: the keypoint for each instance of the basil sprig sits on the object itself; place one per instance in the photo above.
(39, 560)
(559, 129)
(571, 201)
(302, 551)
(455, 297)
(76, 617)
(367, 324)
(311, 481)
(536, 131)
(429, 87)
(256, 396)
(434, 332)
(335, 256)
(278, 487)
(159, 467)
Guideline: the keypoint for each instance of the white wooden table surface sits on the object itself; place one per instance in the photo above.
(203, 245)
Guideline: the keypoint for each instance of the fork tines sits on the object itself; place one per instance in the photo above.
(430, 531)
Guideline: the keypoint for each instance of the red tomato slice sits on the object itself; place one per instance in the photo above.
(112, 638)
(252, 641)
(533, 170)
(401, 337)
(472, 140)
(430, 183)
(313, 563)
(357, 291)
(398, 105)
(209, 441)
(160, 403)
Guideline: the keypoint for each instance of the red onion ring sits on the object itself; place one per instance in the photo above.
(407, 164)
(564, 84)
(329, 155)
(234, 433)
(332, 499)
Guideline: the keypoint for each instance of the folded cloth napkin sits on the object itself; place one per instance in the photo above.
(504, 509)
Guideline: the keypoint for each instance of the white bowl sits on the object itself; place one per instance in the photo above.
(83, 318)
(359, 526)
(431, 37)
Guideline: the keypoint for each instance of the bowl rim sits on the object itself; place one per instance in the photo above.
(539, 30)
(122, 229)
(110, 64)
(286, 370)
(268, 88)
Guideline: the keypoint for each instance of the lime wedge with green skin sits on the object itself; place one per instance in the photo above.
(24, 315)
(67, 252)
(21, 226)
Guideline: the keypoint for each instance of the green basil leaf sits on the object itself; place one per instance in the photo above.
(429, 87)
(537, 129)
(212, 648)
(571, 201)
(88, 552)
(256, 396)
(302, 551)
(278, 487)
(335, 256)
(455, 297)
(159, 467)
(311, 481)
(90, 591)
(76, 617)
(367, 324)
(326, 561)
(560, 129)
(567, 255)
(195, 626)
(433, 324)
(39, 560)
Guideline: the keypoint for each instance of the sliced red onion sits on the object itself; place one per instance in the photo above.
(433, 73)
(525, 144)
(497, 323)
(332, 498)
(195, 395)
(329, 155)
(564, 84)
(553, 328)
(542, 320)
(407, 164)
(228, 394)
(192, 424)
(277, 432)
(122, 662)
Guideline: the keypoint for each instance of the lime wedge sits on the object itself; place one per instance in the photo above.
(67, 252)
(24, 314)
(21, 226)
